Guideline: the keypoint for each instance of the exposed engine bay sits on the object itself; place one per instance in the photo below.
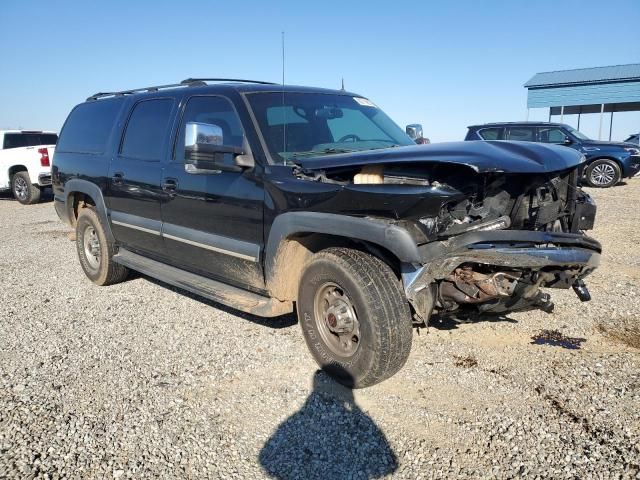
(492, 240)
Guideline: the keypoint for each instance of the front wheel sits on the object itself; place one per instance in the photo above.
(354, 316)
(603, 173)
(25, 192)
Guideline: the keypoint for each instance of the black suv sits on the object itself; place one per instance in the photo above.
(606, 162)
(262, 197)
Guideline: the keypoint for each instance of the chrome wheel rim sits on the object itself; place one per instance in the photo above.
(603, 174)
(20, 188)
(336, 320)
(91, 245)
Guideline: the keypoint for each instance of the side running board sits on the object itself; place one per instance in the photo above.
(217, 291)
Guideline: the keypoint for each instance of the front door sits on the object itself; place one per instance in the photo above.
(135, 192)
(212, 222)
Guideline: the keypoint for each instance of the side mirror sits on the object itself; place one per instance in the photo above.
(415, 132)
(204, 150)
(567, 140)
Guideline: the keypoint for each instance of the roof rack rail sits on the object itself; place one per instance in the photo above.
(202, 81)
(189, 82)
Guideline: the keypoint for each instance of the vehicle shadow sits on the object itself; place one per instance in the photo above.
(452, 322)
(329, 437)
(283, 321)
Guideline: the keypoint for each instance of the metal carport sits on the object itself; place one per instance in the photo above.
(586, 90)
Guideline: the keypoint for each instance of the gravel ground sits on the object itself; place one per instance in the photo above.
(140, 380)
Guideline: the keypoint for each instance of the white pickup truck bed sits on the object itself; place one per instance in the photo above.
(25, 162)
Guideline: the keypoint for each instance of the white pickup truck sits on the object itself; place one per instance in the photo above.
(25, 163)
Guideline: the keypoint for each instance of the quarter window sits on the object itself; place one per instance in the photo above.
(147, 129)
(492, 133)
(523, 134)
(89, 125)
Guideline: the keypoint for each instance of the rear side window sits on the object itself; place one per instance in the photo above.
(15, 140)
(147, 129)
(496, 133)
(523, 134)
(88, 127)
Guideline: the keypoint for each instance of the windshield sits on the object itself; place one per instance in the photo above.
(296, 125)
(577, 133)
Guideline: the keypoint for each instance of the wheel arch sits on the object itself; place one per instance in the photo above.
(79, 193)
(296, 236)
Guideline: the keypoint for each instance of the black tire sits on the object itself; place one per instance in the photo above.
(381, 311)
(23, 190)
(99, 266)
(603, 173)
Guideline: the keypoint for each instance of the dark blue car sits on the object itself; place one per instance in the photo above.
(606, 162)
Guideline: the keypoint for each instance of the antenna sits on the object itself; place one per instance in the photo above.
(284, 113)
(342, 84)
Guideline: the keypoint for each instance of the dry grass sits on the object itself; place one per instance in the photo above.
(626, 331)
(465, 361)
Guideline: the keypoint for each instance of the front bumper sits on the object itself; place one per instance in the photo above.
(570, 256)
(633, 166)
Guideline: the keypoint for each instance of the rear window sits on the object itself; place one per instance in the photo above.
(28, 139)
(88, 127)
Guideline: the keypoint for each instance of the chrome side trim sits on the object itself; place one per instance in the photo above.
(210, 247)
(135, 227)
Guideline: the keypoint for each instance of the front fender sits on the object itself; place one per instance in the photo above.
(380, 232)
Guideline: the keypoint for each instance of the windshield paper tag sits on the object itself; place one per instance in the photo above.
(364, 102)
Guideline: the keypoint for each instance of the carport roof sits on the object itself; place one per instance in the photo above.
(586, 76)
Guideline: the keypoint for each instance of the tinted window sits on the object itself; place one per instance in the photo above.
(147, 129)
(491, 133)
(88, 127)
(524, 134)
(215, 111)
(551, 135)
(15, 140)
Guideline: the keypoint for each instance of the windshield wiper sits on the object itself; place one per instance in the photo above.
(326, 151)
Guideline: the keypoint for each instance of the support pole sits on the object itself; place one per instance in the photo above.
(610, 125)
(600, 128)
(561, 113)
(579, 112)
(549, 114)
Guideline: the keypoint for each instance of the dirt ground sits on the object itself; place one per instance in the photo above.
(141, 380)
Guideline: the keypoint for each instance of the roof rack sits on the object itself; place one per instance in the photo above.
(189, 82)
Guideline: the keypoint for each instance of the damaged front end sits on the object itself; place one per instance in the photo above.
(490, 237)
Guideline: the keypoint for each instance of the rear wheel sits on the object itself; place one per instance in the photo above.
(95, 251)
(603, 173)
(23, 190)
(355, 317)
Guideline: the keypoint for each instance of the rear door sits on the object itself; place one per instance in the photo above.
(134, 194)
(212, 222)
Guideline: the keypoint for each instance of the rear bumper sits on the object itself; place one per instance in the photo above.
(44, 179)
(61, 209)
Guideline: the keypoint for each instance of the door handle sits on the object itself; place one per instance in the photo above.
(170, 185)
(118, 178)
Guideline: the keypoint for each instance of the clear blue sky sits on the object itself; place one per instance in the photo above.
(444, 64)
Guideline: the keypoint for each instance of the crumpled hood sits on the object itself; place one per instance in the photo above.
(481, 156)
